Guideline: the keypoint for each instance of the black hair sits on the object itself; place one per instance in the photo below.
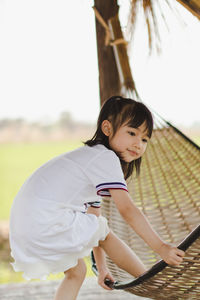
(119, 110)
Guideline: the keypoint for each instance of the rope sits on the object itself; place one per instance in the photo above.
(108, 39)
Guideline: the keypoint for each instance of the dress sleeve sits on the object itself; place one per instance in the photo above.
(105, 173)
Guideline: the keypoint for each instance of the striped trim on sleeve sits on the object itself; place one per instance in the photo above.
(103, 188)
(96, 204)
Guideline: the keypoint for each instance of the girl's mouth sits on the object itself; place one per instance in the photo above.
(133, 153)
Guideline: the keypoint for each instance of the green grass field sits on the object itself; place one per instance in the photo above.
(18, 161)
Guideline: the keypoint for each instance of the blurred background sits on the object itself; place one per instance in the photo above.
(49, 88)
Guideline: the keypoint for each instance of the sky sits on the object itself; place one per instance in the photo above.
(48, 62)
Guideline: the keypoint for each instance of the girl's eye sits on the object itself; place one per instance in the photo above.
(131, 133)
(145, 140)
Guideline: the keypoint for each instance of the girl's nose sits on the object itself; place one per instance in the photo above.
(137, 143)
(137, 146)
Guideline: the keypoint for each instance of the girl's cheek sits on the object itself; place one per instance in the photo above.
(144, 149)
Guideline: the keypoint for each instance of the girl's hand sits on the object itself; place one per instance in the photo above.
(171, 255)
(105, 274)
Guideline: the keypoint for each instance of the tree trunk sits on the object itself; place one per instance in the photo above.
(109, 83)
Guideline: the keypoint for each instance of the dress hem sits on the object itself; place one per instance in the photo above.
(41, 269)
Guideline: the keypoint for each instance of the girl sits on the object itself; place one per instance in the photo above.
(55, 218)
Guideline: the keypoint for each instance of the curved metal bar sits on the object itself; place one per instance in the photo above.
(183, 135)
(158, 267)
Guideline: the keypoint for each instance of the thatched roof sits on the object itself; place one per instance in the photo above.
(192, 5)
(151, 9)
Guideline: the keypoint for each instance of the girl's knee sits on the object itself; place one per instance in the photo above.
(79, 271)
(109, 235)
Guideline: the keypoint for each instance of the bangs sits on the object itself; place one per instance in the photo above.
(137, 115)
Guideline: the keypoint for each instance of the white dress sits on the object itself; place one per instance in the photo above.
(49, 227)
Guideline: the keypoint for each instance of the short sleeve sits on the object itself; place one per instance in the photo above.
(105, 173)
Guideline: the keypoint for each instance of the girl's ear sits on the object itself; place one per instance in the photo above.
(106, 127)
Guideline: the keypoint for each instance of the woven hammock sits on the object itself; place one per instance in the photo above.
(168, 193)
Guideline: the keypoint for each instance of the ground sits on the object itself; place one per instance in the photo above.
(45, 290)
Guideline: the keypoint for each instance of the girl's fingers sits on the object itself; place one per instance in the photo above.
(176, 260)
(103, 285)
(102, 279)
(106, 287)
(172, 255)
(180, 253)
(179, 258)
(109, 276)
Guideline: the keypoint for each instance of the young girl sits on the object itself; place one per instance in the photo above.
(56, 220)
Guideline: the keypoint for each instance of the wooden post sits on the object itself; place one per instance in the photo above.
(121, 57)
(109, 82)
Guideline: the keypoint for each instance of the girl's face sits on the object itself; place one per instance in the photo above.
(129, 142)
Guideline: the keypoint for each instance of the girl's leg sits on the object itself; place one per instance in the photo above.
(122, 255)
(71, 284)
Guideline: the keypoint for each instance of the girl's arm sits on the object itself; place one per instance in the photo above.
(103, 271)
(140, 224)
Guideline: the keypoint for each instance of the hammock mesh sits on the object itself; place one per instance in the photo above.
(168, 192)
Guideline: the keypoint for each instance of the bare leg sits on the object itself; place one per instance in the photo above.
(122, 255)
(71, 284)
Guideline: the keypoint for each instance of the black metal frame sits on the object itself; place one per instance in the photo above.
(183, 135)
(158, 267)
